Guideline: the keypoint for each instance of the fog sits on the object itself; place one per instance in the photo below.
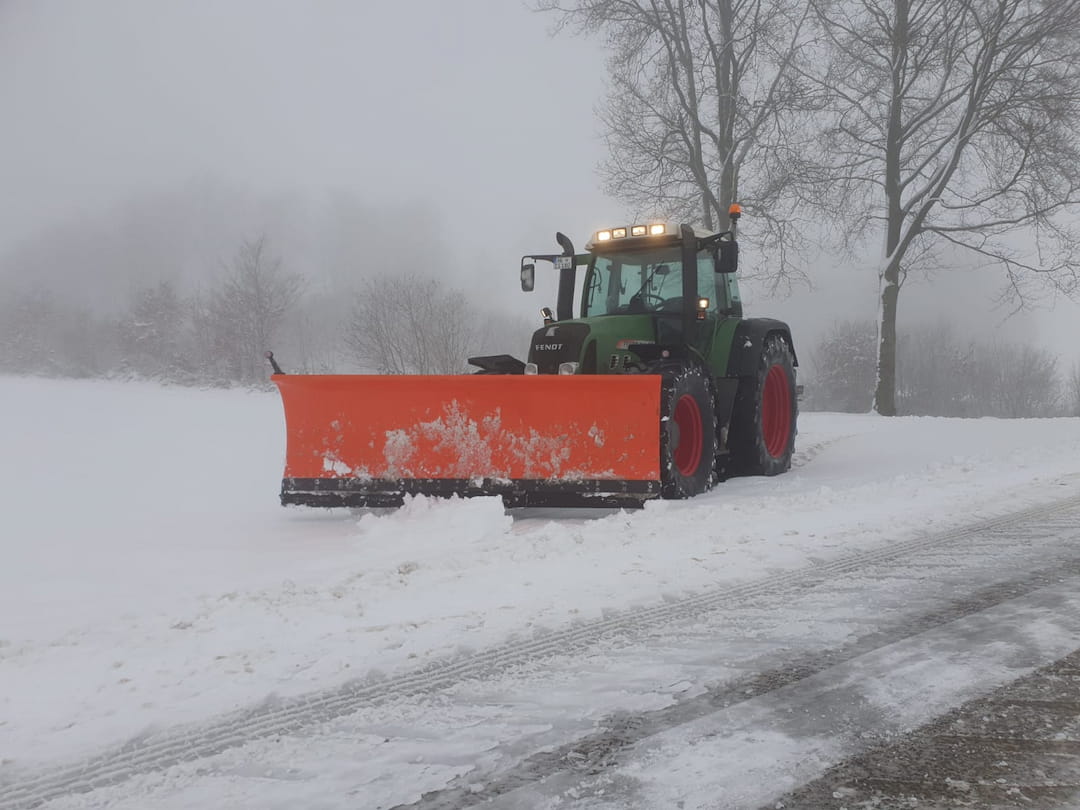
(470, 105)
(145, 140)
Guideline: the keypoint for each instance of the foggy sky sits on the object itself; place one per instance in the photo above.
(468, 107)
(469, 103)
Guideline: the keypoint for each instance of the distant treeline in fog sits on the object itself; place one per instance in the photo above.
(165, 289)
(940, 373)
(158, 291)
(418, 324)
(217, 335)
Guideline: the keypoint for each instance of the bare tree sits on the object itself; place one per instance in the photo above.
(312, 337)
(413, 324)
(953, 126)
(843, 363)
(1071, 393)
(42, 333)
(704, 108)
(1016, 380)
(151, 332)
(934, 372)
(237, 322)
(28, 322)
(938, 374)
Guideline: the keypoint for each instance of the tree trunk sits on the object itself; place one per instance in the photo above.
(885, 393)
(728, 85)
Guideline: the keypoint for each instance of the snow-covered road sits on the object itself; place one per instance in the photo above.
(151, 581)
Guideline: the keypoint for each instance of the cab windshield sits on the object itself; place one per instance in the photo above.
(643, 281)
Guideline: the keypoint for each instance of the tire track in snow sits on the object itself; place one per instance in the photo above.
(160, 751)
(592, 754)
(805, 455)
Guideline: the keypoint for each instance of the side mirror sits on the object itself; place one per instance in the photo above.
(528, 276)
(726, 259)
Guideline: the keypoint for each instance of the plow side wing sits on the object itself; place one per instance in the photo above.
(368, 440)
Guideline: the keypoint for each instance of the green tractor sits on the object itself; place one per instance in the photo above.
(658, 388)
(664, 300)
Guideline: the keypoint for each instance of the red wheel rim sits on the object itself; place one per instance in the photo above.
(776, 412)
(688, 419)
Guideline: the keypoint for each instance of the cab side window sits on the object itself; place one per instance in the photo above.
(711, 284)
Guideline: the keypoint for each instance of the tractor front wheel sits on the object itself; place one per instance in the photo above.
(762, 432)
(687, 432)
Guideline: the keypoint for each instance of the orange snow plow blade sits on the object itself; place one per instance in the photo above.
(359, 440)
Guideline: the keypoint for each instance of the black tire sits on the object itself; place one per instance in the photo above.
(761, 436)
(687, 431)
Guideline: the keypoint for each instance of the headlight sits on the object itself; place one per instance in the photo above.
(568, 368)
(603, 236)
(656, 230)
(638, 230)
(532, 368)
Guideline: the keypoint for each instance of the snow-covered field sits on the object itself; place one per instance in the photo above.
(149, 577)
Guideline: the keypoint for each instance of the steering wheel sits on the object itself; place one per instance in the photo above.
(649, 301)
(671, 305)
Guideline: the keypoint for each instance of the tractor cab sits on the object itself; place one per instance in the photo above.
(624, 278)
(647, 289)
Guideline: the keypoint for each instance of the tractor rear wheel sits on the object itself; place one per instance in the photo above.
(761, 437)
(687, 431)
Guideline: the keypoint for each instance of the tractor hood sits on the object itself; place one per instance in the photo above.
(599, 345)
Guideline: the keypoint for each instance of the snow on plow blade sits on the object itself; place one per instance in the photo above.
(574, 440)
